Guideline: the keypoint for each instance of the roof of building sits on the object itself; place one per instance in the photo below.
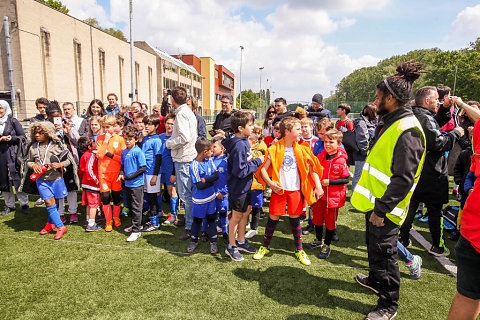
(165, 56)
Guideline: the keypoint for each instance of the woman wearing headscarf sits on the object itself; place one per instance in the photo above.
(11, 133)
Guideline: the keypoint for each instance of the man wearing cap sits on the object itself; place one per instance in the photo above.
(316, 111)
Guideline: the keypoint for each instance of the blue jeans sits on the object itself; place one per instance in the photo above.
(357, 173)
(403, 253)
(184, 188)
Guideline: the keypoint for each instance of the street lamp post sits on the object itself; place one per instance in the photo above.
(241, 53)
(132, 60)
(260, 91)
(268, 80)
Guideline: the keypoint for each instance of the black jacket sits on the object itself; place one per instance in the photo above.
(222, 122)
(279, 117)
(364, 133)
(406, 158)
(462, 167)
(318, 114)
(433, 184)
(7, 154)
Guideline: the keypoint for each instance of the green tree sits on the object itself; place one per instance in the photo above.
(58, 5)
(114, 32)
(250, 100)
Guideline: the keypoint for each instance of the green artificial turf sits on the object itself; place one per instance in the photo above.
(100, 276)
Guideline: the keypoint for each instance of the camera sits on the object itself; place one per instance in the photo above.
(169, 92)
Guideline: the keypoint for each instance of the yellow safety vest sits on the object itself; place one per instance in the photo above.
(377, 172)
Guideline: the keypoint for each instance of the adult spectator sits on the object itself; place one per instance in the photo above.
(385, 186)
(281, 109)
(157, 109)
(364, 133)
(201, 125)
(11, 133)
(41, 104)
(316, 111)
(182, 144)
(166, 106)
(112, 108)
(446, 101)
(95, 108)
(70, 114)
(434, 171)
(222, 121)
(267, 127)
(466, 303)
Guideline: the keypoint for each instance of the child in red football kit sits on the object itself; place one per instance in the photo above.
(290, 170)
(334, 182)
(109, 152)
(88, 173)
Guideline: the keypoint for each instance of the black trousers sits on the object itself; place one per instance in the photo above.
(434, 213)
(383, 262)
(135, 205)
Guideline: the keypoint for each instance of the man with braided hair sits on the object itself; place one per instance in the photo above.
(388, 179)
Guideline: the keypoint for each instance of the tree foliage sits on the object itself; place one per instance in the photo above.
(58, 5)
(114, 32)
(360, 85)
(250, 100)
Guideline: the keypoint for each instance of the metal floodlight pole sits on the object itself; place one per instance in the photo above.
(132, 60)
(455, 81)
(6, 28)
(260, 93)
(241, 53)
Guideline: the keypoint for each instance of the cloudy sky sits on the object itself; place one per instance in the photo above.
(305, 46)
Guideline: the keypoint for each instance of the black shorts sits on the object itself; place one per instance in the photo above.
(468, 277)
(240, 205)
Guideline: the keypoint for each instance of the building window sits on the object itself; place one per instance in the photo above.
(216, 74)
(101, 67)
(45, 45)
(227, 80)
(150, 75)
(120, 76)
(137, 78)
(77, 53)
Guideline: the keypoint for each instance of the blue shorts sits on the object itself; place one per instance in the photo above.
(222, 204)
(52, 189)
(201, 210)
(165, 178)
(257, 198)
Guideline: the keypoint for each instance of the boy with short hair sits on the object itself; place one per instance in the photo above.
(152, 147)
(240, 166)
(221, 188)
(167, 169)
(138, 123)
(290, 171)
(334, 182)
(119, 123)
(342, 112)
(109, 152)
(88, 173)
(307, 138)
(133, 167)
(322, 126)
(204, 175)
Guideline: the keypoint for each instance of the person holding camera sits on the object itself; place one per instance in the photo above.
(223, 119)
(166, 106)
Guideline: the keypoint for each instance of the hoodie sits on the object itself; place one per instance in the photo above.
(334, 169)
(240, 166)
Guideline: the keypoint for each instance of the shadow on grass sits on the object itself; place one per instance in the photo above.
(305, 316)
(295, 286)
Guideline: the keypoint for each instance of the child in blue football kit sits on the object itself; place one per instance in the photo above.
(204, 175)
(221, 202)
(167, 170)
(132, 171)
(152, 147)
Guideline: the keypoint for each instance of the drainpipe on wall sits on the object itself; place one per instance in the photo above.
(10, 67)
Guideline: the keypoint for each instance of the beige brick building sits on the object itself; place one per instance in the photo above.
(59, 57)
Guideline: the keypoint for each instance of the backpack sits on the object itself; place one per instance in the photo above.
(20, 150)
(450, 216)
(349, 142)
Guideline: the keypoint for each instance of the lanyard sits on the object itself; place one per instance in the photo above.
(46, 150)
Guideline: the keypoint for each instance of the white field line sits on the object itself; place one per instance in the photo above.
(195, 254)
(444, 261)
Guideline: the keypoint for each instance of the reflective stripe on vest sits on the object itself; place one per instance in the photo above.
(376, 173)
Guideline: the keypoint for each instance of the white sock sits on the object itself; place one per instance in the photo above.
(91, 222)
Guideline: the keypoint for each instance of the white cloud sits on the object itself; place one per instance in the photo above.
(466, 24)
(287, 44)
(88, 9)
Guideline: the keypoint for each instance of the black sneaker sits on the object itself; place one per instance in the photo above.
(362, 280)
(324, 252)
(381, 314)
(149, 227)
(246, 247)
(7, 210)
(26, 209)
(234, 254)
(225, 238)
(439, 251)
(205, 237)
(309, 229)
(186, 235)
(335, 236)
(314, 245)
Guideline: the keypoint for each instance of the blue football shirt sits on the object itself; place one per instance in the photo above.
(151, 146)
(199, 170)
(221, 165)
(167, 161)
(132, 160)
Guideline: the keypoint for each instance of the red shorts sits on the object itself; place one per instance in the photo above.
(109, 183)
(90, 199)
(322, 215)
(278, 203)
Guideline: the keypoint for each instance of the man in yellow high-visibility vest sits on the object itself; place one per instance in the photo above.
(389, 176)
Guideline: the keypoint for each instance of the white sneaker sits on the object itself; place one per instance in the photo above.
(219, 230)
(133, 236)
(128, 230)
(251, 233)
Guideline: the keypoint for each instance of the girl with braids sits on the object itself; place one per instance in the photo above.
(390, 172)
